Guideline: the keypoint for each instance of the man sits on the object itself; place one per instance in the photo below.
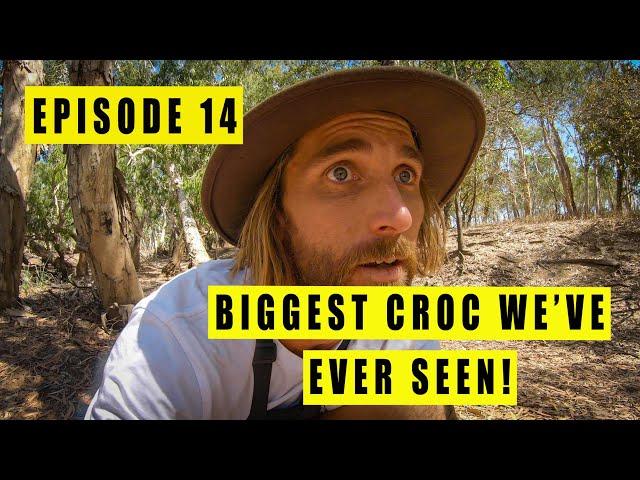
(340, 181)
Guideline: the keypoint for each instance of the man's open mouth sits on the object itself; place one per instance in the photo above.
(382, 271)
(382, 263)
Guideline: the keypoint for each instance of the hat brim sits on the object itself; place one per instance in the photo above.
(447, 115)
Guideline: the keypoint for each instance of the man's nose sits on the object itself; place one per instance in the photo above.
(390, 215)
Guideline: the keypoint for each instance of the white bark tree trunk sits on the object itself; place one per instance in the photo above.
(526, 186)
(194, 244)
(96, 213)
(16, 167)
(132, 227)
(554, 146)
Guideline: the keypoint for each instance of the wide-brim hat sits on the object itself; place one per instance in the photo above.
(447, 116)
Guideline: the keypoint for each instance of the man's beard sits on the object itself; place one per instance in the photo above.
(321, 267)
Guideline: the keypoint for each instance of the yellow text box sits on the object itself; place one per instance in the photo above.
(410, 377)
(426, 313)
(141, 115)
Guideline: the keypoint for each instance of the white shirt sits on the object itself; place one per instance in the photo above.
(163, 366)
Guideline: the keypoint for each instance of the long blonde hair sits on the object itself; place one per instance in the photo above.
(261, 246)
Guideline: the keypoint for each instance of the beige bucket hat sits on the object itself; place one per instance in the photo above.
(447, 116)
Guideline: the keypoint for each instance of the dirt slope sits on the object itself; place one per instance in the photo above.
(561, 379)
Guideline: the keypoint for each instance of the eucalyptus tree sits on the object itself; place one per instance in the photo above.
(543, 90)
(16, 168)
(97, 202)
(609, 124)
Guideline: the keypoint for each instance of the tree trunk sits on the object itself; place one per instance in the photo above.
(587, 200)
(159, 243)
(512, 191)
(473, 194)
(177, 251)
(457, 198)
(597, 186)
(627, 200)
(16, 166)
(82, 268)
(56, 235)
(131, 226)
(514, 206)
(459, 223)
(96, 213)
(526, 186)
(487, 206)
(619, 185)
(168, 240)
(195, 246)
(554, 146)
(447, 215)
(610, 197)
(567, 184)
(555, 202)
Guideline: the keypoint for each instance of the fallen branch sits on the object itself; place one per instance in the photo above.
(602, 262)
(508, 258)
(621, 299)
(570, 239)
(115, 314)
(485, 242)
(626, 310)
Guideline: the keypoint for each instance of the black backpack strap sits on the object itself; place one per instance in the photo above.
(264, 356)
(300, 411)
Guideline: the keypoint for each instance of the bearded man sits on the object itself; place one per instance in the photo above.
(340, 181)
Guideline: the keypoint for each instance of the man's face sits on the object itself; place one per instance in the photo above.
(352, 202)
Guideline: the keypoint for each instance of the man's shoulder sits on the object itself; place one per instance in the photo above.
(185, 295)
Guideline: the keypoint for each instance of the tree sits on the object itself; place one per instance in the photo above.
(487, 75)
(609, 122)
(97, 215)
(505, 124)
(526, 185)
(542, 90)
(192, 238)
(16, 166)
(49, 219)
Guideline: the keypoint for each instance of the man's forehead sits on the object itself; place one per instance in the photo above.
(345, 128)
(387, 122)
(341, 135)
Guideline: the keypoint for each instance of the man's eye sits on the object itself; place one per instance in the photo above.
(406, 176)
(339, 174)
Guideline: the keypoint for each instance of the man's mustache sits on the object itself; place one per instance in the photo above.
(380, 250)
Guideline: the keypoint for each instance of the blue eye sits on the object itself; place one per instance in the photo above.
(406, 176)
(339, 174)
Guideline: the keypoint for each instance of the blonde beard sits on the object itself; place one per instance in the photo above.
(320, 267)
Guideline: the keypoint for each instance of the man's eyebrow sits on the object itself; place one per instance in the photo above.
(359, 145)
(349, 145)
(410, 152)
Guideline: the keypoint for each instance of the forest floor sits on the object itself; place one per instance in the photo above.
(51, 347)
